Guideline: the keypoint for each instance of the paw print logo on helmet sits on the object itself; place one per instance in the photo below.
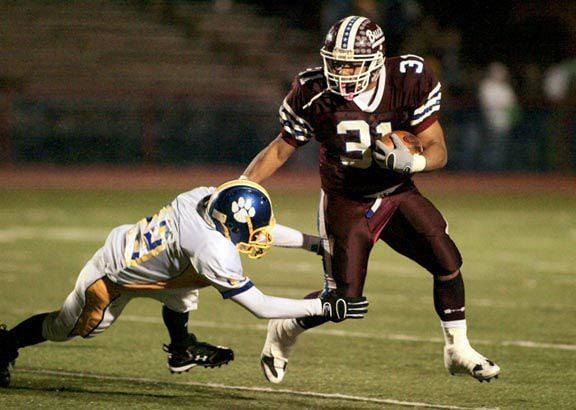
(241, 210)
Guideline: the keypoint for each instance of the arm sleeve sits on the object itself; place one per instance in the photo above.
(296, 130)
(286, 237)
(271, 307)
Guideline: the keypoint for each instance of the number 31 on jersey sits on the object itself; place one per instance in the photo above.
(358, 141)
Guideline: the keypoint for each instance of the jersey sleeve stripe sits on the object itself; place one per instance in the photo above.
(431, 106)
(233, 292)
(294, 125)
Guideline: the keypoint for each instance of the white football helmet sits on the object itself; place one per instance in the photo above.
(358, 44)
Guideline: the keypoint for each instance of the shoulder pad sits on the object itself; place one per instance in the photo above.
(411, 57)
(310, 74)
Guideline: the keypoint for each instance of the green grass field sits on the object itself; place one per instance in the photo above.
(519, 267)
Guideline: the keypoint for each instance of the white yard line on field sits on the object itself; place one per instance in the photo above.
(72, 233)
(361, 335)
(220, 386)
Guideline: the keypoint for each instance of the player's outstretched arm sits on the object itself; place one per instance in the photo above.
(339, 308)
(286, 237)
(331, 306)
(267, 161)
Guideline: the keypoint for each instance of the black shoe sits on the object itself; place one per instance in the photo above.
(182, 358)
(8, 354)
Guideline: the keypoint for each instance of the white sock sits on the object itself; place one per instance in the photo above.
(292, 328)
(455, 332)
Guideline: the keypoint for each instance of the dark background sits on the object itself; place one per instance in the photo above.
(187, 82)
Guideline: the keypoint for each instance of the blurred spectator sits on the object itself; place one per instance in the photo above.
(500, 112)
(558, 80)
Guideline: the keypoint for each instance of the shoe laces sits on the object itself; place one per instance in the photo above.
(190, 347)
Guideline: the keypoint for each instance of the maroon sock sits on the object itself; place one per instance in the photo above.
(449, 298)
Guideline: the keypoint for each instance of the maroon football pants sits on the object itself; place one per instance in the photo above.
(407, 221)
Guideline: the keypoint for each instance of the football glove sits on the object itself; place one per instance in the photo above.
(338, 308)
(399, 158)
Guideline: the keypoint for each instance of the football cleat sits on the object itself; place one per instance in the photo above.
(182, 358)
(4, 376)
(276, 351)
(463, 359)
(8, 355)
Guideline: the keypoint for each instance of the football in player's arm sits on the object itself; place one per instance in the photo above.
(367, 192)
(192, 243)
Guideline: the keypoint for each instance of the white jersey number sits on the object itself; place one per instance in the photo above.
(411, 61)
(358, 141)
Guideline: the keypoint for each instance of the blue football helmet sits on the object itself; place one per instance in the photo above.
(241, 210)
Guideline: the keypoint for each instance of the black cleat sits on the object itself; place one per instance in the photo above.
(182, 358)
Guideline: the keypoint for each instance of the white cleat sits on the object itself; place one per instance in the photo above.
(276, 351)
(463, 359)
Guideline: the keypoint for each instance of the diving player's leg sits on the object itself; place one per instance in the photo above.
(184, 350)
(59, 325)
(26, 333)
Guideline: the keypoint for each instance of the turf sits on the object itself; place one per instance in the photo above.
(519, 258)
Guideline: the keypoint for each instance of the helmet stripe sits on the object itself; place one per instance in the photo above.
(347, 32)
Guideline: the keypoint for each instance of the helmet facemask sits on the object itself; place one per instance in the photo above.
(364, 70)
(259, 242)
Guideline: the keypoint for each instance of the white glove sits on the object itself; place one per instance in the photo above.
(399, 158)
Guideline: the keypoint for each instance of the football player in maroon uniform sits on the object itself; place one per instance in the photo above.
(367, 193)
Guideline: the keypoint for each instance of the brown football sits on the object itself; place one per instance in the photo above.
(410, 140)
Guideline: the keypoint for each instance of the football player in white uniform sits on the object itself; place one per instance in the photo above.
(192, 243)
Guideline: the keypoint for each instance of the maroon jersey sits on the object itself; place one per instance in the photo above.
(407, 98)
